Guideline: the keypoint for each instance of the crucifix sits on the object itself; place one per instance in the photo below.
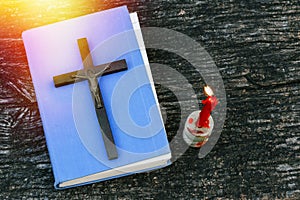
(91, 74)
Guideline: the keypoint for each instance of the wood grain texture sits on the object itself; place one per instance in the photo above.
(254, 43)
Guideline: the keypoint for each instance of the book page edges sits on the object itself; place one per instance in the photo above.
(141, 166)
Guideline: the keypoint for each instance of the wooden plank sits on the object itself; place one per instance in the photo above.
(257, 155)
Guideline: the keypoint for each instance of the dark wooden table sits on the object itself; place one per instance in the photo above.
(256, 47)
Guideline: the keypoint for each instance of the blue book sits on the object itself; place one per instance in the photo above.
(72, 131)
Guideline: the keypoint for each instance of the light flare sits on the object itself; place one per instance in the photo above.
(34, 13)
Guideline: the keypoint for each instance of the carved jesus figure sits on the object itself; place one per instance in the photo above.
(92, 78)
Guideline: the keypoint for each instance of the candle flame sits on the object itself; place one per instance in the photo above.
(208, 91)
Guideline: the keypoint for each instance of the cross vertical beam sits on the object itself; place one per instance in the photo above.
(86, 56)
(91, 74)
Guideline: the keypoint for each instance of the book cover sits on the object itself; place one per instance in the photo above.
(74, 139)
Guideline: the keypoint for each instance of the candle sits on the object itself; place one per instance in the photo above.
(209, 105)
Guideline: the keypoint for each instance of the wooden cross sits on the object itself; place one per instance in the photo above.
(91, 74)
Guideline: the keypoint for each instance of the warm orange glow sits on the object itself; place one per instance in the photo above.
(21, 15)
(49, 7)
(56, 10)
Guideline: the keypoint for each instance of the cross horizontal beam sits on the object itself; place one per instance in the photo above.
(70, 78)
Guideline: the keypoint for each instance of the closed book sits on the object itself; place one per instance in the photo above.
(71, 125)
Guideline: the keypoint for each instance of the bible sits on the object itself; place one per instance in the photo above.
(96, 98)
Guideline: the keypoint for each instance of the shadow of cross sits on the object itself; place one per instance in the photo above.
(91, 74)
